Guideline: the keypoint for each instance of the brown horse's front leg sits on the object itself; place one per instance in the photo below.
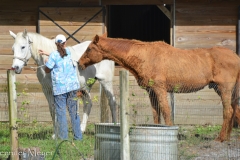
(161, 94)
(156, 117)
(155, 107)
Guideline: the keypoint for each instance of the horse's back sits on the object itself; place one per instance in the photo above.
(226, 64)
(215, 64)
(190, 66)
(220, 54)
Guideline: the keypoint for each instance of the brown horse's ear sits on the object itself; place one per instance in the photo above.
(96, 39)
(104, 34)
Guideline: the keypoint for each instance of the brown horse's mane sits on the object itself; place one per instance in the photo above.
(123, 45)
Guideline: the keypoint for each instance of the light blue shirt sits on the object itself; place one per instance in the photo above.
(64, 75)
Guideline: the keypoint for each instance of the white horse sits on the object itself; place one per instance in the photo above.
(27, 45)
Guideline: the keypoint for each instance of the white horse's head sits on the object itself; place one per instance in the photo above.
(21, 49)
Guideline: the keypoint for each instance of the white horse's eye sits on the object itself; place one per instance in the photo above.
(23, 47)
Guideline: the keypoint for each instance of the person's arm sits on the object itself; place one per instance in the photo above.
(42, 52)
(50, 62)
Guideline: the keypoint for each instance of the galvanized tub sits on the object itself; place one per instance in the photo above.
(148, 141)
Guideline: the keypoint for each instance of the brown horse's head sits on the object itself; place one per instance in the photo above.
(92, 54)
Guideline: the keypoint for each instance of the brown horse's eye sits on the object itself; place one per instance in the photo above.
(88, 49)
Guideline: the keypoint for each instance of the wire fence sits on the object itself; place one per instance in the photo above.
(197, 120)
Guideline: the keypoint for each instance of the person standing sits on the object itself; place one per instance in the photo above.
(65, 87)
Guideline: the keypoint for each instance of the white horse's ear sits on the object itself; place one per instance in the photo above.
(30, 40)
(24, 33)
(12, 34)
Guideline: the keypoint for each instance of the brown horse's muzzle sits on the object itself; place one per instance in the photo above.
(82, 66)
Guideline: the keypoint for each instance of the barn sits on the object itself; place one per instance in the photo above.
(182, 23)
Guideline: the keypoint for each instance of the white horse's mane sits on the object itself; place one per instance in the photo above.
(41, 42)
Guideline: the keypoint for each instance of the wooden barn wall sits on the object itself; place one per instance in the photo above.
(24, 15)
(206, 23)
(84, 22)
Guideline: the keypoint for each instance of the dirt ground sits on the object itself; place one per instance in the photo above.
(218, 150)
(195, 147)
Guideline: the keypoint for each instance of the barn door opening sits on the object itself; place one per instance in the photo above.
(141, 22)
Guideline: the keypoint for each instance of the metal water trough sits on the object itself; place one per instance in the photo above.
(148, 141)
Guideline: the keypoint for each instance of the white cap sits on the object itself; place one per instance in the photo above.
(60, 38)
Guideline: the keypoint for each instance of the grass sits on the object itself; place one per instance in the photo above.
(192, 141)
(38, 135)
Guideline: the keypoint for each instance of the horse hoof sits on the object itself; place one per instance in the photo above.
(83, 131)
(219, 139)
(53, 136)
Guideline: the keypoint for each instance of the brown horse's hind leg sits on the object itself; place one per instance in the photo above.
(155, 106)
(227, 125)
(237, 115)
(161, 94)
(235, 105)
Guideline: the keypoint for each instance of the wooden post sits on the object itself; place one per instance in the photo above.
(104, 113)
(172, 30)
(124, 114)
(104, 109)
(12, 101)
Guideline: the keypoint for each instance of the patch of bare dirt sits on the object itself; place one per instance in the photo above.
(194, 146)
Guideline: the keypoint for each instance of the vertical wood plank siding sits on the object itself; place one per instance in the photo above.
(203, 24)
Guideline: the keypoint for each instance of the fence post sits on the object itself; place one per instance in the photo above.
(124, 114)
(172, 100)
(12, 101)
(104, 109)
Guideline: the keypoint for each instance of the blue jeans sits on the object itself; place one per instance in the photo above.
(63, 101)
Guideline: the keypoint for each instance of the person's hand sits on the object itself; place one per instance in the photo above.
(42, 52)
(79, 94)
(46, 59)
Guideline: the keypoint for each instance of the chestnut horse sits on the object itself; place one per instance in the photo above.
(161, 68)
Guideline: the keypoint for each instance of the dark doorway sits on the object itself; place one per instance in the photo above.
(141, 22)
